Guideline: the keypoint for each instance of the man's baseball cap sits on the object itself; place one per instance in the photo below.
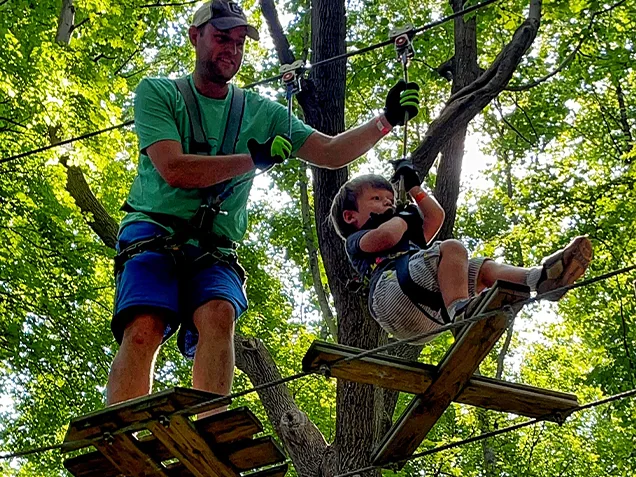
(223, 15)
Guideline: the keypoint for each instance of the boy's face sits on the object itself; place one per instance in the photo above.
(371, 200)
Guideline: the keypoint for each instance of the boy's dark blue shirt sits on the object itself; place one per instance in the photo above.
(364, 262)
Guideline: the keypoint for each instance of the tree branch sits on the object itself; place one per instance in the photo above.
(304, 442)
(65, 23)
(283, 50)
(464, 105)
(312, 250)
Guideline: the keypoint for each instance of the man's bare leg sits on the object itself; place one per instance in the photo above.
(452, 271)
(131, 373)
(213, 369)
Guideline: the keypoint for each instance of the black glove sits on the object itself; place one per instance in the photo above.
(375, 220)
(402, 98)
(414, 221)
(273, 151)
(404, 169)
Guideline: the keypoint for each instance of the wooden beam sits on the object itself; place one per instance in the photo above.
(125, 456)
(398, 374)
(456, 368)
(182, 440)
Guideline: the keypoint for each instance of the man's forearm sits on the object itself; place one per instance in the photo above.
(196, 172)
(190, 171)
(338, 151)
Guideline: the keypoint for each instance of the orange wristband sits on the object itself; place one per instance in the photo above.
(421, 195)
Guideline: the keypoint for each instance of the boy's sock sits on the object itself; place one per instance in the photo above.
(532, 278)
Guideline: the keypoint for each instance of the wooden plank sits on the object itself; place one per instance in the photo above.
(236, 424)
(229, 426)
(412, 377)
(252, 454)
(461, 361)
(182, 440)
(136, 411)
(124, 455)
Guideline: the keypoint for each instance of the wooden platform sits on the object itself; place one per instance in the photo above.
(453, 379)
(221, 445)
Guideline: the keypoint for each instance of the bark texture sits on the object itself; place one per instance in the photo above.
(302, 439)
(66, 23)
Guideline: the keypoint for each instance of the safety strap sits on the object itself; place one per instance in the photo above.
(419, 295)
(198, 142)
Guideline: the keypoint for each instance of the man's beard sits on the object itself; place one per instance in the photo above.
(211, 72)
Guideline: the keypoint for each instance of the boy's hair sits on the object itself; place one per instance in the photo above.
(347, 199)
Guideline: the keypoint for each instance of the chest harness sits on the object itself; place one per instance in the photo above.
(199, 227)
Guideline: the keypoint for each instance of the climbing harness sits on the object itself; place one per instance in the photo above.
(291, 76)
(200, 225)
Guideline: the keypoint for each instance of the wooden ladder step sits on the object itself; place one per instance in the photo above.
(472, 345)
(399, 374)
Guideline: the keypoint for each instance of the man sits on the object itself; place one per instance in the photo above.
(193, 282)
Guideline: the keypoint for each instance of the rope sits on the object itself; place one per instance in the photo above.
(271, 79)
(486, 435)
(203, 405)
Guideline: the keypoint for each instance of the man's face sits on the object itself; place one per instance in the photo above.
(371, 200)
(219, 52)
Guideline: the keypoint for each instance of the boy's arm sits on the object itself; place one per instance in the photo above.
(385, 237)
(432, 212)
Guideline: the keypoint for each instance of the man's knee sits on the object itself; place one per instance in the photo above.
(216, 317)
(145, 331)
(453, 248)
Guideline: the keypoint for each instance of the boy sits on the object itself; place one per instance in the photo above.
(363, 213)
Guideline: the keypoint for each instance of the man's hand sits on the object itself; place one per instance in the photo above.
(414, 221)
(273, 151)
(406, 171)
(402, 98)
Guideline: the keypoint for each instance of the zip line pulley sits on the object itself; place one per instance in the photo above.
(403, 42)
(291, 76)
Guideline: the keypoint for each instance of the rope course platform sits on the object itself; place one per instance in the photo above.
(161, 442)
(435, 387)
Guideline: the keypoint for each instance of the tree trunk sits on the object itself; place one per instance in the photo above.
(464, 70)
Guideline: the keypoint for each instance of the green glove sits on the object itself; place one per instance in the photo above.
(273, 151)
(402, 98)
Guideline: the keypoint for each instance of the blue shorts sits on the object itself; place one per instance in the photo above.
(162, 281)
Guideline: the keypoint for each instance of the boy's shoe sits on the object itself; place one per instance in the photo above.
(564, 267)
(467, 307)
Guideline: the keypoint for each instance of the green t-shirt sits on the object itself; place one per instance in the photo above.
(161, 114)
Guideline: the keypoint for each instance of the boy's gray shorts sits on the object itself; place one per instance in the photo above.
(395, 312)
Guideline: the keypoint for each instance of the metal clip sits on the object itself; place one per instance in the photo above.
(401, 38)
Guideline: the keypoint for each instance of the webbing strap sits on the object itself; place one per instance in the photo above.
(199, 144)
(417, 294)
(233, 124)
